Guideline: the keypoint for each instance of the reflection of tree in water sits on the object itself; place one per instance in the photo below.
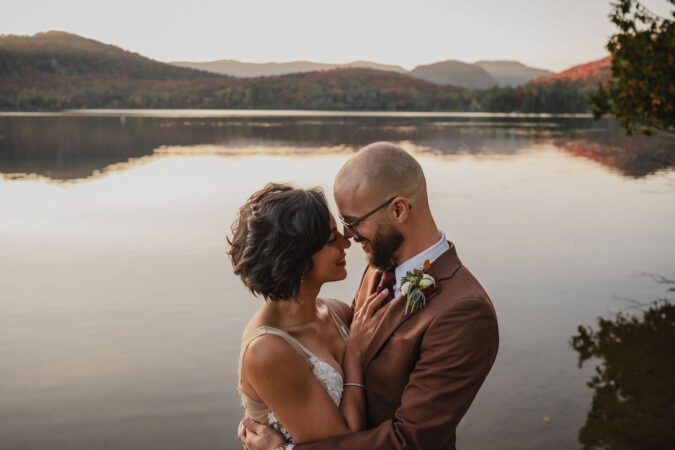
(69, 148)
(634, 400)
(633, 156)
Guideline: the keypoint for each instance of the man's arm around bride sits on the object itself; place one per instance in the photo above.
(421, 367)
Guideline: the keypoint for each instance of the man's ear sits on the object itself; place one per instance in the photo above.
(401, 209)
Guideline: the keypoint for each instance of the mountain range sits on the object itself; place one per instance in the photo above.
(245, 70)
(57, 70)
(479, 75)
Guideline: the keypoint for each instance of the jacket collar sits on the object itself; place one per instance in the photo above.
(441, 269)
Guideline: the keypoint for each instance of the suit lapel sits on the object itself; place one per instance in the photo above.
(392, 319)
(369, 283)
(443, 268)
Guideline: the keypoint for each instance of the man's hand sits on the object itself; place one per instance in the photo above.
(363, 326)
(256, 436)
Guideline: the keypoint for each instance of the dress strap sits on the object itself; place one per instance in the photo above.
(340, 324)
(332, 306)
(261, 331)
(255, 409)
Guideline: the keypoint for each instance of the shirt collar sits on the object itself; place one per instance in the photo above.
(417, 262)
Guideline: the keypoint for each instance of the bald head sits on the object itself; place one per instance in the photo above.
(379, 171)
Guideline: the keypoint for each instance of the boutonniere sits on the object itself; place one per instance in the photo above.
(416, 285)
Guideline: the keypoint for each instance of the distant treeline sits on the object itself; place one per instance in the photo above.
(339, 89)
(553, 97)
(346, 89)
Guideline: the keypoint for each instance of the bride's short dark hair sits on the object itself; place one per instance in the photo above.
(277, 231)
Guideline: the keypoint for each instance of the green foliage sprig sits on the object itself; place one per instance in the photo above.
(642, 92)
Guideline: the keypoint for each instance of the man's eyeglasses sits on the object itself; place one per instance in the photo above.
(349, 226)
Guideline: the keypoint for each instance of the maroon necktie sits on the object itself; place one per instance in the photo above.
(388, 280)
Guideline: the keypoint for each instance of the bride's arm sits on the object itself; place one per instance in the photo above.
(364, 322)
(280, 376)
(282, 379)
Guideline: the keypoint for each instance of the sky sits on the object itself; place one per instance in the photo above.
(550, 34)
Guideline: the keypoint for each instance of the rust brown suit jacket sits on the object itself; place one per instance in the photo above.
(423, 371)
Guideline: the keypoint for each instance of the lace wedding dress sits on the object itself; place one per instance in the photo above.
(324, 372)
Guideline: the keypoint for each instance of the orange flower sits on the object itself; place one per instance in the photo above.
(427, 264)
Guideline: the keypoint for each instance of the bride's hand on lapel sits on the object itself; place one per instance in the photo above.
(365, 321)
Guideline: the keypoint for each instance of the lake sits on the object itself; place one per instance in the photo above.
(120, 316)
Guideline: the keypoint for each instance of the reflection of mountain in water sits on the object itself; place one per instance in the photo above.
(68, 148)
(634, 394)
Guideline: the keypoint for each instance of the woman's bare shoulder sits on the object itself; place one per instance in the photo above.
(268, 352)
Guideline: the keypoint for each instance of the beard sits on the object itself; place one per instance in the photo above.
(384, 245)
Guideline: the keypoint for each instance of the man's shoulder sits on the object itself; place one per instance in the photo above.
(463, 284)
(459, 295)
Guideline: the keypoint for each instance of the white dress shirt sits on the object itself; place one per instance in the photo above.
(417, 261)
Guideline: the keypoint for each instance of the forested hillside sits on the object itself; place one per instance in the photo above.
(59, 53)
(57, 70)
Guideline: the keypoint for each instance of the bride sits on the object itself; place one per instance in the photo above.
(300, 362)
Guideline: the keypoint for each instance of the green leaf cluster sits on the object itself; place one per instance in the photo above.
(642, 91)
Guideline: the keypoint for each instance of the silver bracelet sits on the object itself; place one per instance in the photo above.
(362, 386)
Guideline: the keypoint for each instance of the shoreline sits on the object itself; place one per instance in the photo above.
(204, 113)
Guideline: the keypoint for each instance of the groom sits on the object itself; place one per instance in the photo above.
(422, 369)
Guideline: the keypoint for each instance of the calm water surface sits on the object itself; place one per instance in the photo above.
(120, 316)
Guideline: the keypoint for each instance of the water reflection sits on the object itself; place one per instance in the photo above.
(634, 394)
(63, 148)
(118, 291)
(632, 156)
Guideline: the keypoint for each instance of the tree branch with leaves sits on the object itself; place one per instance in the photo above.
(641, 93)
